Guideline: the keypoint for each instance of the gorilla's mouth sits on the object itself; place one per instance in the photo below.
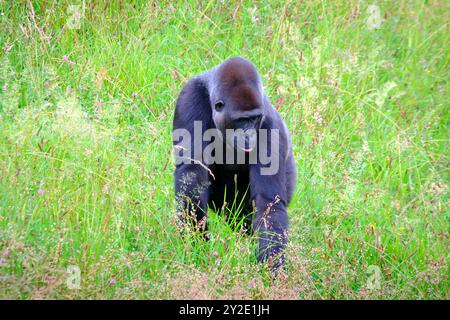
(248, 150)
(247, 141)
(243, 133)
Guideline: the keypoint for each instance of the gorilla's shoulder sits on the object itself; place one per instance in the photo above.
(193, 104)
(195, 89)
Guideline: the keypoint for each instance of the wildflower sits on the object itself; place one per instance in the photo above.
(253, 283)
(438, 188)
(278, 100)
(40, 192)
(424, 62)
(318, 117)
(387, 65)
(71, 64)
(5, 253)
(7, 48)
(65, 58)
(216, 254)
(2, 260)
(112, 281)
(5, 87)
(134, 95)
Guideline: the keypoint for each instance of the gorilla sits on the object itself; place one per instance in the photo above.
(222, 119)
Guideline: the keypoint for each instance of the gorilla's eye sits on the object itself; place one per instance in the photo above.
(219, 105)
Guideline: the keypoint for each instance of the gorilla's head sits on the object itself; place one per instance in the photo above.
(237, 102)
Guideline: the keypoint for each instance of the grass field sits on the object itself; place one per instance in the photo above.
(86, 109)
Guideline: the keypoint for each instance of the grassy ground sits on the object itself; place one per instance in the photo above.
(85, 147)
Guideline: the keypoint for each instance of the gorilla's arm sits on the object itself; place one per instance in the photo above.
(270, 198)
(191, 178)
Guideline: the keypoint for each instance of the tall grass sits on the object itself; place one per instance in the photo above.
(85, 147)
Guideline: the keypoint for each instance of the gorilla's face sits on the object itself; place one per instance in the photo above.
(237, 105)
(239, 112)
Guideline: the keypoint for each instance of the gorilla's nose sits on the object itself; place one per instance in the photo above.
(254, 121)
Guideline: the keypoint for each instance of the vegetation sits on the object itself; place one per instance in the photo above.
(86, 105)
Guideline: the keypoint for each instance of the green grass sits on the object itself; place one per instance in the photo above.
(368, 110)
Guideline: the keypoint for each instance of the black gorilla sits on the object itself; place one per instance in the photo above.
(231, 96)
